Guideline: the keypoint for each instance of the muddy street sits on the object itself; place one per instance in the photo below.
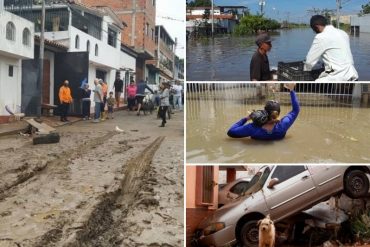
(97, 187)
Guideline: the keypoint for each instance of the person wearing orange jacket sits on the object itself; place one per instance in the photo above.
(65, 99)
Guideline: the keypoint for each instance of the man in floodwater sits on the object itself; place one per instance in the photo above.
(266, 125)
(332, 45)
(260, 67)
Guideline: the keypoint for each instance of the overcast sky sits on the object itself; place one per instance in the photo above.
(174, 9)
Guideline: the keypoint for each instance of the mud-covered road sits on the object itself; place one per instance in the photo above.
(97, 187)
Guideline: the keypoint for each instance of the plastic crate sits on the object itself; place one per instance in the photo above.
(293, 71)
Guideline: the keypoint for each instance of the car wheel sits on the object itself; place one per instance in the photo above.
(356, 184)
(249, 234)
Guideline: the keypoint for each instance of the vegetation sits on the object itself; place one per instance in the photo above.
(361, 226)
(365, 9)
(253, 23)
(198, 3)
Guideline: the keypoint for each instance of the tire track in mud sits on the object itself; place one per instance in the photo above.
(97, 226)
(60, 162)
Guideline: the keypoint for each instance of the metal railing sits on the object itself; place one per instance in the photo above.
(315, 99)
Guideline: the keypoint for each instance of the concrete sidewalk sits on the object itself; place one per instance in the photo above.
(53, 121)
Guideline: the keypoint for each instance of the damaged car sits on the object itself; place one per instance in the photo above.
(281, 192)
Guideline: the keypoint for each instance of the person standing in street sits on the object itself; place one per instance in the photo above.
(332, 46)
(98, 99)
(118, 88)
(131, 94)
(104, 88)
(65, 99)
(110, 101)
(177, 101)
(165, 102)
(140, 94)
(260, 66)
(86, 102)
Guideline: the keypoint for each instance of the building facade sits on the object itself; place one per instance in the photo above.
(139, 15)
(360, 24)
(165, 54)
(17, 43)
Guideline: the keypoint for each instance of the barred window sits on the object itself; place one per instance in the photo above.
(10, 31)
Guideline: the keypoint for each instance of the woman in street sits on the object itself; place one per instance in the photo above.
(165, 103)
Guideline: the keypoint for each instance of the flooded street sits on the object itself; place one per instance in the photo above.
(227, 58)
(323, 133)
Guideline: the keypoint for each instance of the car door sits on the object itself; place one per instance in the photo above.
(294, 191)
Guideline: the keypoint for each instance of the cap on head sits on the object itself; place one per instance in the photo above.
(272, 106)
(262, 38)
(318, 20)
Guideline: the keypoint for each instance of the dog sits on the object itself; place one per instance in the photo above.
(266, 232)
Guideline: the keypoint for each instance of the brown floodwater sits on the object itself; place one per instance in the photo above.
(324, 132)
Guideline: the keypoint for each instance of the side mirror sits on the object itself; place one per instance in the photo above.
(272, 183)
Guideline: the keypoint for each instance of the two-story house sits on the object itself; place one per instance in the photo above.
(17, 43)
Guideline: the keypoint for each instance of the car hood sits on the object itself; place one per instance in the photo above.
(232, 212)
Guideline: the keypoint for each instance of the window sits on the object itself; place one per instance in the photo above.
(77, 42)
(11, 71)
(88, 46)
(112, 37)
(147, 29)
(96, 50)
(286, 172)
(26, 37)
(152, 34)
(153, 2)
(239, 188)
(10, 31)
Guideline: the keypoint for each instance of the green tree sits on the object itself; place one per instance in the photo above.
(253, 23)
(199, 3)
(365, 9)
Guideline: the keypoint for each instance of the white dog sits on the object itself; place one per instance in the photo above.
(266, 235)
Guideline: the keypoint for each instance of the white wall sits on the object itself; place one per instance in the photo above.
(201, 11)
(107, 55)
(15, 48)
(127, 61)
(363, 22)
(10, 87)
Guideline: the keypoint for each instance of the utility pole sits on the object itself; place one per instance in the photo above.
(174, 59)
(41, 58)
(262, 3)
(212, 18)
(339, 6)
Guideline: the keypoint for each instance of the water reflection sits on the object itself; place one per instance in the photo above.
(228, 58)
(325, 132)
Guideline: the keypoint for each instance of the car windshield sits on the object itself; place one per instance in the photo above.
(257, 181)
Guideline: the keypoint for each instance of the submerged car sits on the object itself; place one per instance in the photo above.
(232, 190)
(280, 191)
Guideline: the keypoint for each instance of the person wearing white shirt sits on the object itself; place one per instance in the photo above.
(332, 46)
(177, 96)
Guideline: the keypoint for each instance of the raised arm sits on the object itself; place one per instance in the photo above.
(239, 130)
(146, 86)
(289, 119)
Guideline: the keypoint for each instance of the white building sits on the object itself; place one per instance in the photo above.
(16, 43)
(360, 24)
(93, 39)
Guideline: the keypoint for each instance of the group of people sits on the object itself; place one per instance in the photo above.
(135, 96)
(330, 44)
